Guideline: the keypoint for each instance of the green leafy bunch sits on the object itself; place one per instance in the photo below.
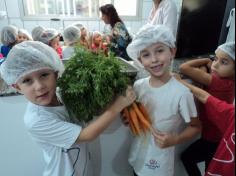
(90, 83)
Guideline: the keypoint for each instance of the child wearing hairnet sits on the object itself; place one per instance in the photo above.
(169, 103)
(24, 35)
(71, 36)
(36, 32)
(98, 44)
(9, 37)
(51, 37)
(84, 35)
(33, 68)
(220, 83)
(222, 115)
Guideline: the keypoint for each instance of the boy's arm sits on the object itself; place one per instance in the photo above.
(95, 128)
(193, 70)
(164, 140)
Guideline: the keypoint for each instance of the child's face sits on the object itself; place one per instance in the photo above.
(55, 43)
(22, 37)
(156, 59)
(97, 39)
(39, 87)
(83, 32)
(223, 65)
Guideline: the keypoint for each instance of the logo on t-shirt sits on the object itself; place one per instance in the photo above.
(153, 164)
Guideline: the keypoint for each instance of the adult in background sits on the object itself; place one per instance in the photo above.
(120, 37)
(164, 12)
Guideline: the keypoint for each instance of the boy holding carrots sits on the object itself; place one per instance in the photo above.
(33, 68)
(169, 104)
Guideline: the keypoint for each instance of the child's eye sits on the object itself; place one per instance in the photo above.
(27, 81)
(224, 62)
(44, 74)
(159, 50)
(145, 55)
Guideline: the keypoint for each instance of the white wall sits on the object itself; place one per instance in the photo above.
(14, 17)
(19, 155)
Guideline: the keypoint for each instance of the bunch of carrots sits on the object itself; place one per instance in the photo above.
(138, 118)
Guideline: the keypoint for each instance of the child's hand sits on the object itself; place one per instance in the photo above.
(124, 120)
(164, 140)
(124, 101)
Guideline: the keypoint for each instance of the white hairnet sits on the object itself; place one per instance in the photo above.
(47, 35)
(9, 35)
(228, 48)
(148, 35)
(27, 57)
(36, 32)
(71, 35)
(78, 25)
(26, 33)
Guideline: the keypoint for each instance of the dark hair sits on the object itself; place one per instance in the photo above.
(110, 11)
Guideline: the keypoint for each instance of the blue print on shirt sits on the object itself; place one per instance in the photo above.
(76, 158)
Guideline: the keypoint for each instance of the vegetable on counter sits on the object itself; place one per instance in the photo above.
(90, 83)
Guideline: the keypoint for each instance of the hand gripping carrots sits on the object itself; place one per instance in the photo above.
(138, 118)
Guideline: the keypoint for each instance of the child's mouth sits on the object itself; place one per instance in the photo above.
(43, 95)
(157, 68)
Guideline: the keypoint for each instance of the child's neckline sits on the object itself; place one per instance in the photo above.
(151, 85)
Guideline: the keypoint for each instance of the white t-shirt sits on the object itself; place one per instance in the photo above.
(166, 14)
(169, 107)
(68, 52)
(56, 137)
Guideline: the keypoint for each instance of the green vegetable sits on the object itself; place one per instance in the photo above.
(90, 83)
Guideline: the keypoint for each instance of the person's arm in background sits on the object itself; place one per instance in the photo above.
(171, 17)
(221, 110)
(193, 70)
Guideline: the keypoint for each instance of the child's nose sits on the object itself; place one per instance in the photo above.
(38, 85)
(154, 58)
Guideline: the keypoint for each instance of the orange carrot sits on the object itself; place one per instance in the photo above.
(134, 119)
(142, 119)
(132, 128)
(144, 112)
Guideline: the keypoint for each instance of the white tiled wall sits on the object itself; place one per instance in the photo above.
(14, 17)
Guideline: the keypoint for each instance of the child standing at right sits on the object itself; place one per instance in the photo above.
(220, 83)
(169, 103)
(222, 115)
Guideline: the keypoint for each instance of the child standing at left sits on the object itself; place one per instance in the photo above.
(33, 69)
(9, 37)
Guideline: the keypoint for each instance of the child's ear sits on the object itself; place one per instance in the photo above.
(173, 51)
(15, 86)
